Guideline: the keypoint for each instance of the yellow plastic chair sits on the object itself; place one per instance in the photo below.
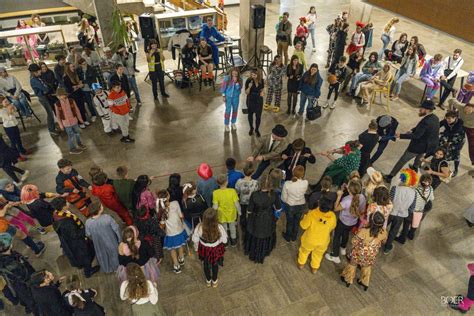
(383, 90)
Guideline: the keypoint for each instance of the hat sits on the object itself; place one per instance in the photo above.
(374, 175)
(279, 130)
(96, 86)
(107, 49)
(189, 40)
(385, 120)
(428, 104)
(204, 171)
(5, 241)
(34, 68)
(4, 183)
(61, 91)
(303, 19)
(409, 177)
(359, 23)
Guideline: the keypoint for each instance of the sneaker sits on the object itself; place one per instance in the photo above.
(81, 146)
(130, 118)
(41, 230)
(333, 259)
(75, 151)
(314, 49)
(139, 103)
(266, 106)
(386, 250)
(177, 269)
(343, 251)
(181, 261)
(82, 126)
(127, 140)
(208, 283)
(18, 184)
(215, 283)
(400, 240)
(54, 133)
(234, 127)
(93, 119)
(332, 106)
(233, 242)
(227, 128)
(276, 109)
(86, 123)
(25, 175)
(325, 105)
(41, 248)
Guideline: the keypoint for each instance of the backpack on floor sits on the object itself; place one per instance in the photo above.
(314, 111)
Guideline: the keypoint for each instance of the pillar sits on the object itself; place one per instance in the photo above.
(103, 12)
(247, 32)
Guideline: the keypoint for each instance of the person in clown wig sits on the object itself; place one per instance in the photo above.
(403, 198)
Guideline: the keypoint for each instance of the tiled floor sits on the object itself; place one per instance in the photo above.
(187, 129)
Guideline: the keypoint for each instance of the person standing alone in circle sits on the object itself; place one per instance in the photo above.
(231, 88)
(155, 60)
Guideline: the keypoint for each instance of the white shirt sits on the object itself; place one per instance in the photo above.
(8, 83)
(390, 33)
(8, 119)
(174, 222)
(454, 65)
(311, 19)
(152, 294)
(358, 39)
(293, 192)
(198, 234)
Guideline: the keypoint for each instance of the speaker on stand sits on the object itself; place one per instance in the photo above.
(257, 23)
(148, 28)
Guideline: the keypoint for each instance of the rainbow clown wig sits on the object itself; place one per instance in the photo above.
(408, 177)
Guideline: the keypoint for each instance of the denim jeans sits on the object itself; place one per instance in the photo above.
(21, 105)
(311, 99)
(358, 78)
(133, 85)
(73, 136)
(385, 41)
(293, 216)
(312, 31)
(398, 81)
(43, 100)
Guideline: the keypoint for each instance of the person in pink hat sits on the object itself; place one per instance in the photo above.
(465, 303)
(207, 183)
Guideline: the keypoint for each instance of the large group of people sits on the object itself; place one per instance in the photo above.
(349, 215)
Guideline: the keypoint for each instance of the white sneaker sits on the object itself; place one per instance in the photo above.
(25, 176)
(325, 105)
(227, 129)
(93, 119)
(343, 251)
(82, 126)
(234, 127)
(331, 258)
(332, 106)
(18, 184)
(314, 49)
(86, 123)
(130, 118)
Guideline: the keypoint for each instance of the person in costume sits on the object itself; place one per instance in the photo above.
(212, 35)
(339, 169)
(365, 248)
(302, 33)
(69, 181)
(403, 198)
(318, 225)
(357, 40)
(209, 239)
(72, 236)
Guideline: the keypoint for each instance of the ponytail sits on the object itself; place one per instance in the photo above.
(355, 187)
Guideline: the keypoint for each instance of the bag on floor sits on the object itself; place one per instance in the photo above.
(469, 214)
(313, 112)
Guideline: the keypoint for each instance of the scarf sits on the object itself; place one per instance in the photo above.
(58, 215)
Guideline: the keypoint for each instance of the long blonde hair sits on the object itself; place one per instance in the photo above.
(137, 287)
(390, 23)
(355, 188)
(71, 74)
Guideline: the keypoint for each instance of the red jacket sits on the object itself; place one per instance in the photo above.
(108, 197)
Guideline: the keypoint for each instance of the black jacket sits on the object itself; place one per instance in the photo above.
(89, 76)
(387, 133)
(302, 160)
(49, 301)
(424, 137)
(123, 82)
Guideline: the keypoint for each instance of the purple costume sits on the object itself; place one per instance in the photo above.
(430, 75)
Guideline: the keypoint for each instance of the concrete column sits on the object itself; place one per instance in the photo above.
(103, 12)
(247, 32)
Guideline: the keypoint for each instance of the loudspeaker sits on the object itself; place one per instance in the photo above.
(147, 25)
(258, 16)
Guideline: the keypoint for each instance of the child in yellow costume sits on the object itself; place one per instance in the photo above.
(318, 225)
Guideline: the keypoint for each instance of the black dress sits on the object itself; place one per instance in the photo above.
(254, 99)
(49, 301)
(294, 82)
(42, 211)
(260, 238)
(77, 248)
